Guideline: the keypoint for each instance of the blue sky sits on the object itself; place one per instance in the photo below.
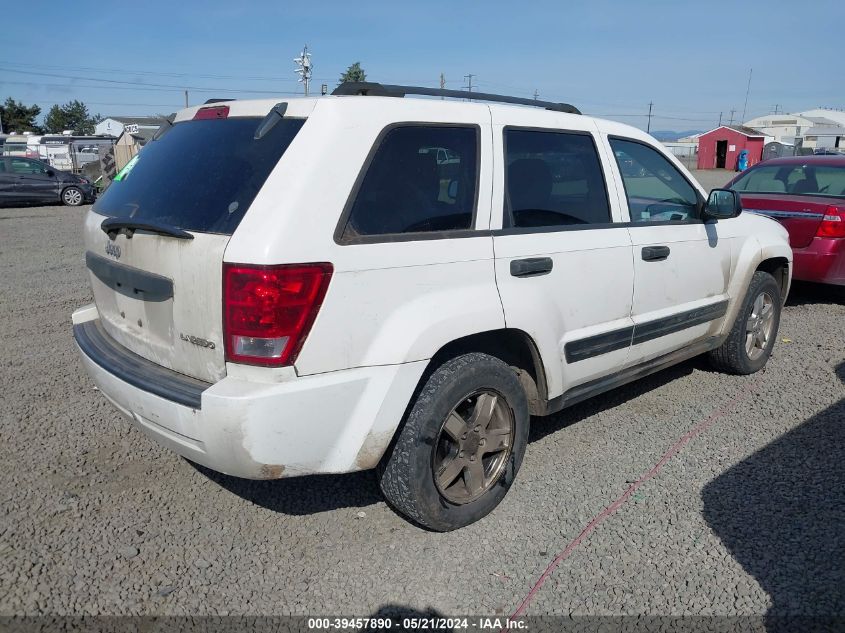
(608, 58)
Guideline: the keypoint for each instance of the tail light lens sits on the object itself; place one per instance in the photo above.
(833, 223)
(268, 310)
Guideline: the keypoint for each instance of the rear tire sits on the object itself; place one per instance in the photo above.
(73, 196)
(752, 338)
(461, 445)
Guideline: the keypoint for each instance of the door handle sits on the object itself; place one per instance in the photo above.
(531, 267)
(655, 253)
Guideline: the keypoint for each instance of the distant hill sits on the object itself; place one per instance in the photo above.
(669, 135)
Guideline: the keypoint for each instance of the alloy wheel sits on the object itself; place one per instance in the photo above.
(473, 447)
(758, 328)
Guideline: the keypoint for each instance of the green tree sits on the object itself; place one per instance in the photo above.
(353, 73)
(17, 117)
(71, 116)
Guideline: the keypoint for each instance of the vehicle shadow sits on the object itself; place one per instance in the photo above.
(543, 426)
(808, 293)
(302, 495)
(781, 514)
(319, 493)
(399, 614)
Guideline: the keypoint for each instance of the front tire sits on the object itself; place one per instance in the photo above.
(72, 196)
(461, 445)
(752, 338)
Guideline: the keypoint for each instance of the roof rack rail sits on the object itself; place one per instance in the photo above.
(366, 88)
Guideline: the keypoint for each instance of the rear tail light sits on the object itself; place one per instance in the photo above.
(268, 310)
(833, 223)
(214, 112)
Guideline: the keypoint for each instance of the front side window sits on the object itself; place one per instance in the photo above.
(810, 180)
(656, 190)
(553, 179)
(421, 179)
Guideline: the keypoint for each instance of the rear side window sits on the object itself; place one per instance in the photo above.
(811, 180)
(421, 179)
(23, 166)
(553, 179)
(656, 190)
(200, 175)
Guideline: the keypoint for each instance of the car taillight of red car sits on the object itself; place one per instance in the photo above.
(833, 223)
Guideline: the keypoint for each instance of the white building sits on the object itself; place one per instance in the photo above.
(821, 127)
(783, 128)
(116, 125)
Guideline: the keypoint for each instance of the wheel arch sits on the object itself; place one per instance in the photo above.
(514, 347)
(778, 267)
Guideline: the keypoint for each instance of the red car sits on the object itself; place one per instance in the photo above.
(807, 195)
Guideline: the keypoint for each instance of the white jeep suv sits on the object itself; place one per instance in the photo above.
(304, 287)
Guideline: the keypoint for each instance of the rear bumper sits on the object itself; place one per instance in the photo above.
(823, 260)
(327, 423)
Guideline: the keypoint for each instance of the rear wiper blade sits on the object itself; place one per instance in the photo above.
(276, 114)
(115, 226)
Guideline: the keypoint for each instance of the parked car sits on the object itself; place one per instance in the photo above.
(304, 295)
(807, 195)
(27, 181)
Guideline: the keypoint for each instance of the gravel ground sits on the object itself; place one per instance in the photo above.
(746, 519)
(713, 178)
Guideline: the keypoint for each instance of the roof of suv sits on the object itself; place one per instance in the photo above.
(303, 106)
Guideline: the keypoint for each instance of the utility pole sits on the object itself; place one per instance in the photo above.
(469, 82)
(731, 122)
(304, 68)
(536, 95)
(648, 127)
(747, 90)
(186, 98)
(720, 120)
(777, 107)
(442, 84)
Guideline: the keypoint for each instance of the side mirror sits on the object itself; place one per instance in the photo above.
(722, 204)
(50, 173)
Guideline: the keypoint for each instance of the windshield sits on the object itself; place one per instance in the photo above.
(808, 180)
(199, 176)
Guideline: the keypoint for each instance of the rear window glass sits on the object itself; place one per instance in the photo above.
(200, 175)
(810, 180)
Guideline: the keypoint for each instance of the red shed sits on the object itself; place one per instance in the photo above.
(720, 148)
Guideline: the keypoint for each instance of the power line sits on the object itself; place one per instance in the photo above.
(133, 85)
(133, 71)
